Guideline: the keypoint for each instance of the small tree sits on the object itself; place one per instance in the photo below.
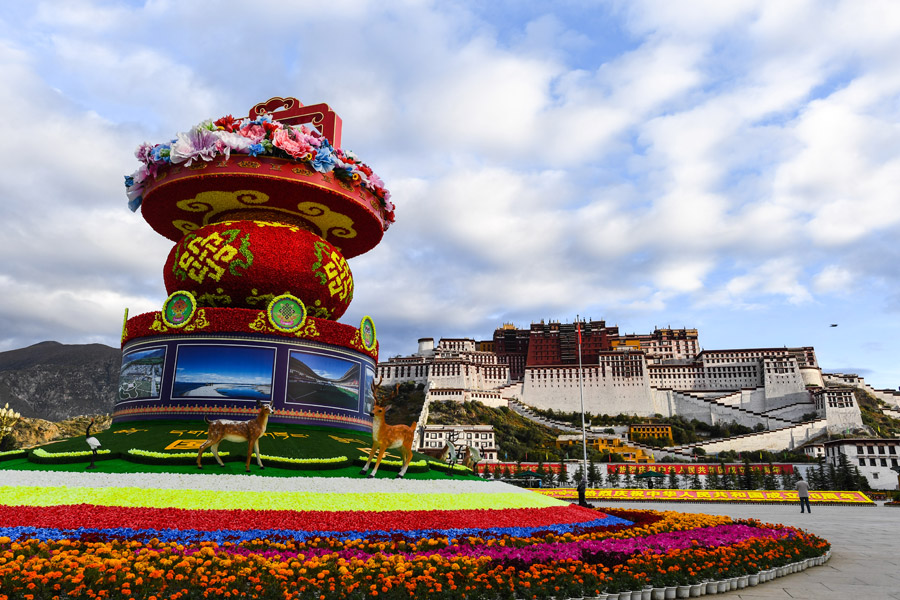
(846, 480)
(696, 484)
(769, 481)
(673, 479)
(551, 478)
(541, 472)
(833, 479)
(862, 484)
(612, 479)
(579, 474)
(714, 478)
(727, 481)
(786, 482)
(595, 478)
(746, 479)
(628, 483)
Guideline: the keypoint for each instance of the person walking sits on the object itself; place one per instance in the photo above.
(803, 492)
(582, 488)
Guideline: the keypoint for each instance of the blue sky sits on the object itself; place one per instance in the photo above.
(212, 364)
(328, 367)
(729, 166)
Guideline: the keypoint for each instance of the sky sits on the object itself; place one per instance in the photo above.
(727, 166)
(217, 364)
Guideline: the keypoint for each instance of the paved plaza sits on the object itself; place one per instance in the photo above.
(865, 545)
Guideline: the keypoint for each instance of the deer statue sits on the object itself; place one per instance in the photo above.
(237, 431)
(472, 458)
(386, 436)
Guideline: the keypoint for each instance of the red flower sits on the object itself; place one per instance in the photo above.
(227, 123)
(271, 127)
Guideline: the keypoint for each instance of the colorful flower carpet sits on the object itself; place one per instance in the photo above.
(146, 536)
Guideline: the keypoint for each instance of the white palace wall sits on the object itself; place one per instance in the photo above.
(779, 439)
(558, 388)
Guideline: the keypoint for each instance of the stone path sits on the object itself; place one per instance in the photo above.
(865, 546)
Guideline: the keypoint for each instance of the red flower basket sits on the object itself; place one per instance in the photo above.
(180, 200)
(244, 264)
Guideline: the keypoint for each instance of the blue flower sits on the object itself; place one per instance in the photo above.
(160, 152)
(256, 149)
(325, 159)
(129, 181)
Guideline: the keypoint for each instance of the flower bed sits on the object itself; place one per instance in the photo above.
(442, 466)
(191, 536)
(41, 456)
(11, 454)
(415, 466)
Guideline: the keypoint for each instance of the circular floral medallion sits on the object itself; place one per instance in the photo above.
(367, 333)
(286, 313)
(179, 309)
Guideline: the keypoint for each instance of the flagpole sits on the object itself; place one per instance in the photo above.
(581, 391)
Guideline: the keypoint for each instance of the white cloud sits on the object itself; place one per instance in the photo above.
(709, 165)
(833, 279)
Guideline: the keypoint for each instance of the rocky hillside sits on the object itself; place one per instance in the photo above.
(54, 381)
(35, 432)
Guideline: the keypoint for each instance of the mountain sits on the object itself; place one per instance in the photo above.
(56, 381)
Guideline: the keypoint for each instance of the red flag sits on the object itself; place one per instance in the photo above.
(578, 328)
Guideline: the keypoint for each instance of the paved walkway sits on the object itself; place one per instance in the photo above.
(865, 547)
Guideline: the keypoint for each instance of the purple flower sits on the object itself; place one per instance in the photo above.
(198, 143)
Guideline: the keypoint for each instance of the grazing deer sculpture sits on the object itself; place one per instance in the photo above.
(237, 431)
(386, 436)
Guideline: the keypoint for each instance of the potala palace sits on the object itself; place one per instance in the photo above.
(665, 373)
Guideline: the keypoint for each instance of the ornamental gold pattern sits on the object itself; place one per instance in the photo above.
(211, 256)
(332, 271)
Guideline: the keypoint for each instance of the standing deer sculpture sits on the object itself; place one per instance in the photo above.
(386, 436)
(237, 431)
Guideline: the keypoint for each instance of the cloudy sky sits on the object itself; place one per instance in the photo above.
(730, 166)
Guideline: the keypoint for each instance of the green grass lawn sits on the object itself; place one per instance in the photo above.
(169, 436)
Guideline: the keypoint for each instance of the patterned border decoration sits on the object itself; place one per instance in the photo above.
(170, 306)
(370, 343)
(252, 322)
(286, 300)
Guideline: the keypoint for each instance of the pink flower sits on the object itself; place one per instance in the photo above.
(298, 149)
(144, 153)
(255, 133)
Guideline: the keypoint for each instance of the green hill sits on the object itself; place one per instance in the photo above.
(517, 437)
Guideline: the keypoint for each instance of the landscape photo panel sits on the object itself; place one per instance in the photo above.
(323, 380)
(140, 376)
(232, 372)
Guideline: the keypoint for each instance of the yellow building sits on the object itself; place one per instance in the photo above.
(611, 445)
(637, 433)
